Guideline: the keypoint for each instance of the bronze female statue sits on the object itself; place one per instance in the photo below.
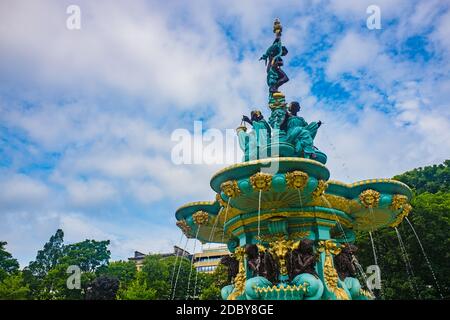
(302, 259)
(343, 262)
(233, 267)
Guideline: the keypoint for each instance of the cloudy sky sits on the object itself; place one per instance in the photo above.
(86, 116)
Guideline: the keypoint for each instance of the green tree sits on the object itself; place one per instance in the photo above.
(89, 255)
(102, 288)
(213, 283)
(49, 256)
(428, 179)
(156, 273)
(138, 289)
(125, 271)
(13, 288)
(183, 282)
(47, 276)
(8, 265)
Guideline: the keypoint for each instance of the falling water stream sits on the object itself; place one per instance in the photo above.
(179, 269)
(225, 219)
(214, 226)
(196, 274)
(409, 269)
(375, 258)
(259, 213)
(176, 261)
(210, 238)
(426, 258)
(192, 261)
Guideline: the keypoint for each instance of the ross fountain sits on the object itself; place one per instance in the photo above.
(290, 229)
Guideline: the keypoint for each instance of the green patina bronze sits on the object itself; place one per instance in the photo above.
(290, 229)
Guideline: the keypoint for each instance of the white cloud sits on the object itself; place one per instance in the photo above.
(442, 32)
(90, 193)
(351, 54)
(19, 190)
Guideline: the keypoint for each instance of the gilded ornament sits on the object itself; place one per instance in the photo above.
(220, 200)
(405, 212)
(182, 224)
(200, 217)
(320, 189)
(239, 280)
(230, 188)
(279, 249)
(398, 200)
(296, 179)
(330, 274)
(261, 181)
(369, 198)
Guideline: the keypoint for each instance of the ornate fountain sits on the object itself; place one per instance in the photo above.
(290, 229)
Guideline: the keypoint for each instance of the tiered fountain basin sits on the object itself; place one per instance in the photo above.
(298, 191)
(256, 204)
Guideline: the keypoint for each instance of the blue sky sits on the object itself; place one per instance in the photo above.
(86, 116)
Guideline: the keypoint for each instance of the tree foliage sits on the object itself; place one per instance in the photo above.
(138, 289)
(214, 283)
(8, 265)
(49, 256)
(13, 288)
(428, 179)
(102, 288)
(125, 271)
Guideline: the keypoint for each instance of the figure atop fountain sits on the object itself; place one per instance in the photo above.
(275, 75)
(300, 133)
(251, 143)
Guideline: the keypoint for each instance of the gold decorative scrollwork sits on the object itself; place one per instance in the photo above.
(279, 249)
(219, 199)
(277, 237)
(369, 198)
(261, 181)
(239, 280)
(320, 189)
(330, 274)
(299, 235)
(230, 188)
(405, 212)
(289, 288)
(182, 224)
(296, 179)
(200, 217)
